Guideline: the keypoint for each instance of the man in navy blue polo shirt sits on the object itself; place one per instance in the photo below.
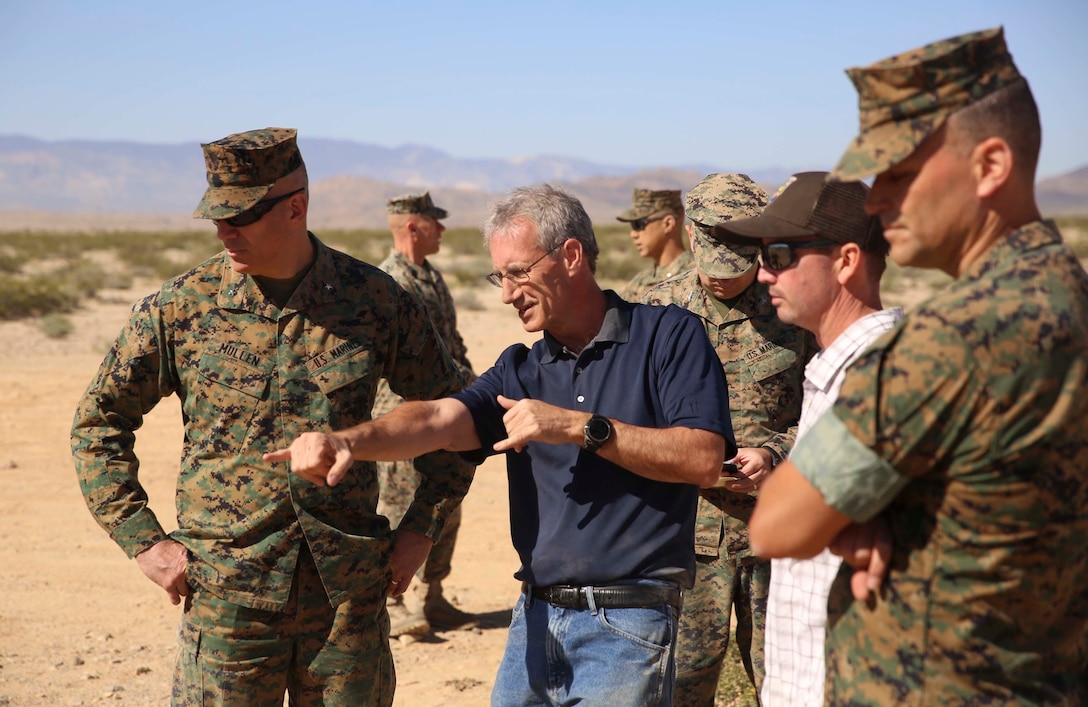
(609, 423)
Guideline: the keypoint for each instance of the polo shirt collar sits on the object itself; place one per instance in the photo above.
(616, 328)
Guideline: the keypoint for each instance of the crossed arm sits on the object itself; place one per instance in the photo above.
(792, 519)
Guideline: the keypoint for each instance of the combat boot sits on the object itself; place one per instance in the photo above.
(440, 612)
(403, 621)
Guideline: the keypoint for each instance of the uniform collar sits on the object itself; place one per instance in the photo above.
(320, 286)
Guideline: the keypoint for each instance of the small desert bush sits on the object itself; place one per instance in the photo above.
(56, 326)
(463, 241)
(22, 297)
(1075, 232)
(370, 246)
(51, 272)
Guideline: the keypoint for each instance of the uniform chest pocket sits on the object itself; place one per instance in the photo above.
(227, 380)
(346, 371)
(768, 361)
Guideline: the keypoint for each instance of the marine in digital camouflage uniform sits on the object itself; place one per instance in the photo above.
(284, 581)
(416, 225)
(764, 361)
(657, 220)
(962, 433)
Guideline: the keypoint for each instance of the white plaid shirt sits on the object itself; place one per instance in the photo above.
(797, 603)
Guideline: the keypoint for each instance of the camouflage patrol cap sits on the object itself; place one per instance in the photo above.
(649, 201)
(905, 98)
(243, 168)
(807, 206)
(717, 199)
(415, 204)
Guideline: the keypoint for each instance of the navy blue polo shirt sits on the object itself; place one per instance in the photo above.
(576, 518)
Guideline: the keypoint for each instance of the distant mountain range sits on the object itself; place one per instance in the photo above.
(98, 184)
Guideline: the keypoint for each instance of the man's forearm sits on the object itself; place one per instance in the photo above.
(412, 429)
(791, 518)
(674, 454)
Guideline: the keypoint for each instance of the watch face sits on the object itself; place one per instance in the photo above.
(598, 429)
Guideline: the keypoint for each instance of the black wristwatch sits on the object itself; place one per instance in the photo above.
(596, 432)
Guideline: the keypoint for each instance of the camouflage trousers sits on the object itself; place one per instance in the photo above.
(722, 586)
(397, 483)
(320, 655)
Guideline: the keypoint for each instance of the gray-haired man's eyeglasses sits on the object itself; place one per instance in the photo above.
(517, 276)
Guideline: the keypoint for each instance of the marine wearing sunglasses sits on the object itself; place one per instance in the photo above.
(640, 224)
(258, 211)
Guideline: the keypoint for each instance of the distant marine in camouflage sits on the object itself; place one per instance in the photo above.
(651, 206)
(425, 607)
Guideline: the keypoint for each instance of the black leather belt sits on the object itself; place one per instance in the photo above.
(615, 596)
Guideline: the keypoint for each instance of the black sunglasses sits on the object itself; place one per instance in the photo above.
(779, 256)
(256, 212)
(639, 224)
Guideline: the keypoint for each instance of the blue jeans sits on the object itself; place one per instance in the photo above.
(614, 657)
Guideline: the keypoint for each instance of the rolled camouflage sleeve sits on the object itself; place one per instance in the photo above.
(130, 381)
(780, 444)
(444, 480)
(424, 369)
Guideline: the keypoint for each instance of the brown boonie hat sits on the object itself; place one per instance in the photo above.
(905, 98)
(715, 200)
(808, 206)
(415, 204)
(650, 201)
(243, 168)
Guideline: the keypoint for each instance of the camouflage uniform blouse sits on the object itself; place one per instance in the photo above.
(968, 426)
(428, 285)
(645, 279)
(251, 378)
(764, 362)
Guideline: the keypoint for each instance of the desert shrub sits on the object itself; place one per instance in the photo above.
(27, 297)
(463, 241)
(468, 273)
(618, 261)
(83, 277)
(11, 263)
(56, 326)
(161, 255)
(1075, 231)
(370, 246)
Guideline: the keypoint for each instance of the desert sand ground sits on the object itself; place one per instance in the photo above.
(79, 623)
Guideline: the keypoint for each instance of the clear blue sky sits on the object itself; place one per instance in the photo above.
(731, 84)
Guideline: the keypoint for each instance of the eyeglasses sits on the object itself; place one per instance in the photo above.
(779, 256)
(256, 212)
(639, 224)
(517, 276)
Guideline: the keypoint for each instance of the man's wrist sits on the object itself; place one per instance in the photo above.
(597, 432)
